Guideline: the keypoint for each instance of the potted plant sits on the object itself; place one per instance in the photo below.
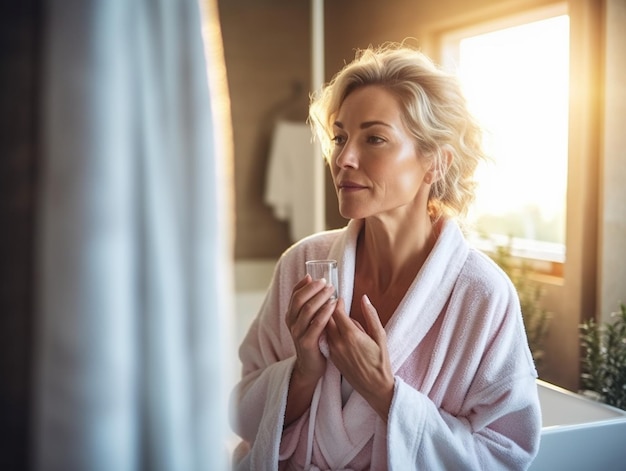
(603, 374)
(530, 292)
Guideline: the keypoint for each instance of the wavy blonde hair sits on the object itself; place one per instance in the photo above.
(434, 110)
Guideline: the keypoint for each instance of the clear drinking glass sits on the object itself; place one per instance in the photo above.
(326, 269)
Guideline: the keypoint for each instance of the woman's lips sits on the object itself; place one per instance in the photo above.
(350, 186)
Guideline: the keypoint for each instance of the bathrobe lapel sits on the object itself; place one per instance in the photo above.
(427, 295)
(342, 431)
(339, 429)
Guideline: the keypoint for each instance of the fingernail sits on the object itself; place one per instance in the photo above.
(367, 300)
(323, 280)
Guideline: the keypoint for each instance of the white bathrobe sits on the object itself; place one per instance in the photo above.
(465, 394)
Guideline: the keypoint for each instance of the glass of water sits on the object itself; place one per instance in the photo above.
(326, 269)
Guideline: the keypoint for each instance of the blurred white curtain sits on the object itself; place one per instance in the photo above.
(134, 275)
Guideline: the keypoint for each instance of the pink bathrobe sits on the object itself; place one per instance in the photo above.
(465, 394)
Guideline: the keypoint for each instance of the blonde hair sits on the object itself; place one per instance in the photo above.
(434, 110)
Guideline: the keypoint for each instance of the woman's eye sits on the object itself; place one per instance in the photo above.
(375, 140)
(338, 140)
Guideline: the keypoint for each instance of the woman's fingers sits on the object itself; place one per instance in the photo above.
(307, 297)
(319, 321)
(309, 311)
(340, 321)
(293, 309)
(360, 354)
(373, 325)
(304, 281)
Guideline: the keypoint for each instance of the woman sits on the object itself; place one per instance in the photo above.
(422, 362)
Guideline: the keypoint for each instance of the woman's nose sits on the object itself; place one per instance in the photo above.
(348, 156)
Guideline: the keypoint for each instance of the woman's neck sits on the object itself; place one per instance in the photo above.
(392, 254)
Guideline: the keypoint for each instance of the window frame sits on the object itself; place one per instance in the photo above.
(544, 259)
(571, 295)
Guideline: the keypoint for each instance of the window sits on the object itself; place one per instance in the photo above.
(516, 77)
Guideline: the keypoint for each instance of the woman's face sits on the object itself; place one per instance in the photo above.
(376, 166)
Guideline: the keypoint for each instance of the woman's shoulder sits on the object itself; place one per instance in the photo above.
(485, 290)
(315, 246)
(478, 269)
(481, 271)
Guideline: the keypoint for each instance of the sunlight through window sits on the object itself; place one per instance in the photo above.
(517, 83)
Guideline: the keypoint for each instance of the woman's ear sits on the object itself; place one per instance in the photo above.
(440, 166)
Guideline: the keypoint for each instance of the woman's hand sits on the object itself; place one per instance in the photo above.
(310, 309)
(360, 353)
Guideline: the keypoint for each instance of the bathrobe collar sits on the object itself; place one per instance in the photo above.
(339, 429)
(427, 294)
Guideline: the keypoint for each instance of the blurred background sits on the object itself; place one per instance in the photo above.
(545, 79)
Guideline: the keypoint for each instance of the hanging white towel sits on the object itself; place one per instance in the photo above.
(289, 182)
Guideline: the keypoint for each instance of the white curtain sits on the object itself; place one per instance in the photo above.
(134, 247)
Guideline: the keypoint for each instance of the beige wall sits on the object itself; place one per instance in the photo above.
(267, 51)
(595, 271)
(612, 217)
